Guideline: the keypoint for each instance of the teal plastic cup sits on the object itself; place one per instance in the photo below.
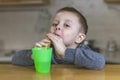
(42, 59)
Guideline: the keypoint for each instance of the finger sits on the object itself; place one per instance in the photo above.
(38, 45)
(46, 41)
(53, 36)
(44, 44)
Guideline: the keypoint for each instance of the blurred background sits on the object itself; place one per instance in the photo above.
(24, 22)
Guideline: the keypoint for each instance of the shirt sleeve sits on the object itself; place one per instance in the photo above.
(22, 58)
(85, 57)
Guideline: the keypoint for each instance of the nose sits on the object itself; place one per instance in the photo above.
(57, 28)
(58, 31)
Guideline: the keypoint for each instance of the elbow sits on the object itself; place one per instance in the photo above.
(101, 64)
(98, 64)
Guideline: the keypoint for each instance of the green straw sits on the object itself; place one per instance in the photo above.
(46, 47)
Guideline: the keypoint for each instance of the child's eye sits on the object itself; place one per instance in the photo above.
(66, 25)
(54, 24)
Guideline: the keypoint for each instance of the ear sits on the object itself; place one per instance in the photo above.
(81, 37)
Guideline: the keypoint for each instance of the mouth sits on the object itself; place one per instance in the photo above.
(57, 35)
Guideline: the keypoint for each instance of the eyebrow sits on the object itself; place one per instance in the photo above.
(54, 20)
(68, 20)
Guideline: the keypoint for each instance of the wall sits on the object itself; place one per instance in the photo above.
(21, 27)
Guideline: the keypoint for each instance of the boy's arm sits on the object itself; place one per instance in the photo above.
(22, 57)
(84, 57)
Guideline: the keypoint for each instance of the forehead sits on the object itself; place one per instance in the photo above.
(66, 15)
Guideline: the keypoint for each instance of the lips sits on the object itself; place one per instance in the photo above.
(57, 34)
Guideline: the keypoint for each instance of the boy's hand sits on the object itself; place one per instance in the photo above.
(43, 43)
(58, 44)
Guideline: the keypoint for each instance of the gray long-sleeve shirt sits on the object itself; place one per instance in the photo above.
(82, 56)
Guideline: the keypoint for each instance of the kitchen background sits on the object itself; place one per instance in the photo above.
(22, 26)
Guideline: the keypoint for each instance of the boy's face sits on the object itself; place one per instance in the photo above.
(67, 26)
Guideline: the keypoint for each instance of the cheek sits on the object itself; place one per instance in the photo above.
(69, 37)
(70, 33)
(52, 29)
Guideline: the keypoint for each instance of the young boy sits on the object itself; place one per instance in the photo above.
(67, 33)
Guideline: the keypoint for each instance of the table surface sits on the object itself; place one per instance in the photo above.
(59, 72)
